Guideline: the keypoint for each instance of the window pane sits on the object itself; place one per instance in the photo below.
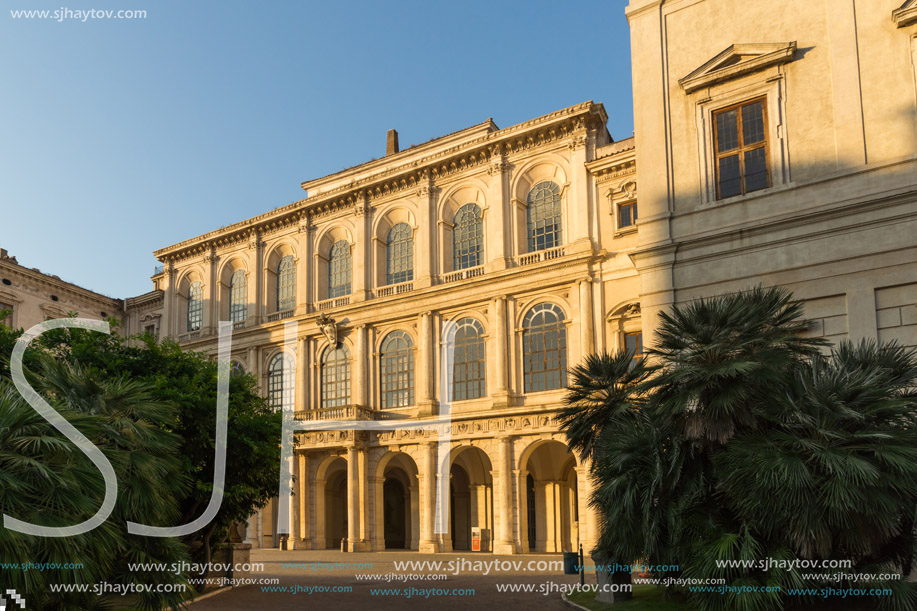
(280, 382)
(468, 364)
(628, 215)
(753, 123)
(730, 181)
(286, 284)
(727, 131)
(336, 377)
(755, 170)
(195, 307)
(339, 269)
(400, 254)
(397, 373)
(633, 343)
(238, 296)
(544, 216)
(467, 237)
(544, 349)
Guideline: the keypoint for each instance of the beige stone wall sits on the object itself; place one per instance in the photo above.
(837, 224)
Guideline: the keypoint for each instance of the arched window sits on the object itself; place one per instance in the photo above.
(467, 237)
(236, 368)
(238, 296)
(336, 376)
(544, 348)
(280, 382)
(400, 255)
(195, 307)
(544, 216)
(339, 266)
(468, 365)
(286, 284)
(397, 370)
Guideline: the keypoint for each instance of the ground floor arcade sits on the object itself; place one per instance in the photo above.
(505, 493)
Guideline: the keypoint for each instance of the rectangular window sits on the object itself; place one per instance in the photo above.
(627, 214)
(633, 343)
(740, 137)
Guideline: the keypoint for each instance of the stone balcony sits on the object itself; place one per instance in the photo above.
(343, 412)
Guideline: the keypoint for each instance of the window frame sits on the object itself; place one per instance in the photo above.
(342, 378)
(469, 234)
(238, 312)
(478, 365)
(741, 149)
(530, 374)
(405, 273)
(344, 268)
(558, 233)
(195, 314)
(632, 204)
(286, 282)
(398, 395)
(281, 382)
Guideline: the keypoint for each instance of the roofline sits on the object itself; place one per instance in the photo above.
(300, 210)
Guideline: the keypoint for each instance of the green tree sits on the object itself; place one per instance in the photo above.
(740, 439)
(186, 380)
(46, 480)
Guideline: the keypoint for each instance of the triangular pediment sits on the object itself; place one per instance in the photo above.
(906, 14)
(737, 60)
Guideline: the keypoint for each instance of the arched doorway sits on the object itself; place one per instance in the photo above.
(397, 519)
(470, 499)
(336, 509)
(394, 514)
(551, 515)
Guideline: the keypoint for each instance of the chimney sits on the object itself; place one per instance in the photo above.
(391, 144)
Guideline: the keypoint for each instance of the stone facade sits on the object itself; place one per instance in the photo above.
(776, 151)
(34, 296)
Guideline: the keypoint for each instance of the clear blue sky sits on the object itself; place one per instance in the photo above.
(122, 136)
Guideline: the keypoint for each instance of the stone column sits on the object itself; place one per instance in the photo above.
(358, 387)
(169, 311)
(363, 506)
(587, 324)
(211, 294)
(504, 543)
(378, 537)
(495, 221)
(257, 245)
(423, 237)
(304, 269)
(522, 507)
(353, 499)
(427, 374)
(500, 393)
(301, 386)
(427, 479)
(304, 522)
(578, 195)
(362, 246)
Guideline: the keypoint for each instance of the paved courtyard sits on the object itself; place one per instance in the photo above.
(485, 594)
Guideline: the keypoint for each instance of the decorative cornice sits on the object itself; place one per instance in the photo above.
(439, 164)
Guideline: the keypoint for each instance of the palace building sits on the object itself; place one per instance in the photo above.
(775, 143)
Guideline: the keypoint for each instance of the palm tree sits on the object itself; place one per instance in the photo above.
(45, 479)
(741, 439)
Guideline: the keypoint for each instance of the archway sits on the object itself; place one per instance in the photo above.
(470, 499)
(397, 516)
(551, 516)
(336, 509)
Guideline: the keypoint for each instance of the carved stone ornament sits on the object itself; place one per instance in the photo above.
(328, 328)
